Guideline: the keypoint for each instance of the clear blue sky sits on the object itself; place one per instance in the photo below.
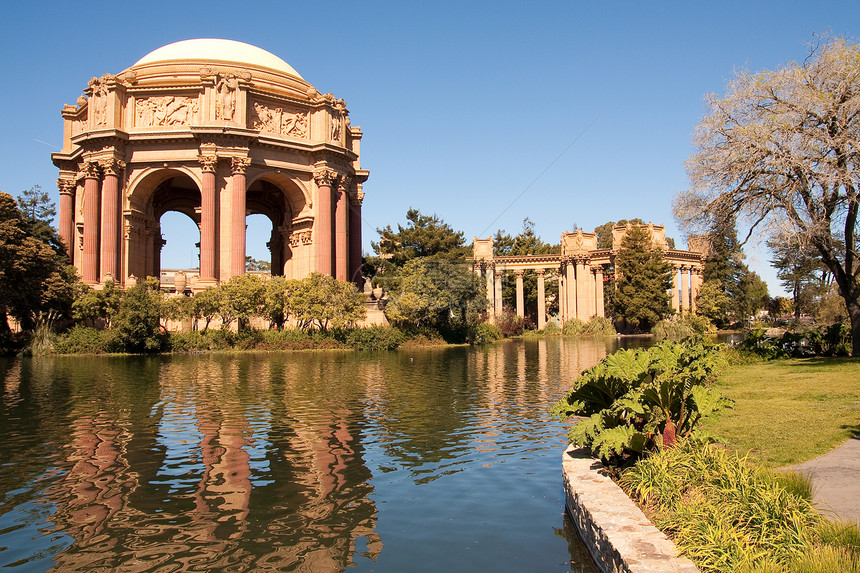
(463, 104)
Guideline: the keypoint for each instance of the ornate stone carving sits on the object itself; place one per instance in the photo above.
(238, 165)
(301, 238)
(325, 177)
(165, 110)
(225, 102)
(335, 128)
(209, 163)
(279, 120)
(66, 186)
(113, 167)
(91, 170)
(99, 98)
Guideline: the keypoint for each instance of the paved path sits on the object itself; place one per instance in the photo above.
(836, 480)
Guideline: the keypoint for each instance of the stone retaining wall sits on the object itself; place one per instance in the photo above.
(613, 528)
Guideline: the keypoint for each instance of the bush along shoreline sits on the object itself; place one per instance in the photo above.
(639, 411)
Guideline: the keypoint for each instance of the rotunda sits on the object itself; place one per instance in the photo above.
(216, 130)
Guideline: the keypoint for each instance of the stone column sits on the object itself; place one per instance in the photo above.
(340, 214)
(520, 297)
(498, 293)
(541, 300)
(90, 259)
(685, 290)
(491, 297)
(695, 285)
(571, 304)
(237, 219)
(562, 296)
(598, 291)
(208, 225)
(676, 302)
(583, 274)
(110, 203)
(67, 214)
(324, 178)
(355, 239)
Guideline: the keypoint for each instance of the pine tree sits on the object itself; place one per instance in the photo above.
(643, 282)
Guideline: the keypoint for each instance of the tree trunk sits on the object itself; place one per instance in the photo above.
(854, 317)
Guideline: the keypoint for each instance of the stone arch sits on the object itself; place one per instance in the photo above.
(152, 193)
(282, 199)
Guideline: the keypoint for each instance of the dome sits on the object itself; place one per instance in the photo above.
(210, 49)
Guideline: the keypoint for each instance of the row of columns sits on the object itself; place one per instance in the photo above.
(580, 291)
(338, 227)
(685, 289)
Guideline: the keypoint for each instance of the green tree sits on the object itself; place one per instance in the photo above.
(799, 269)
(138, 320)
(242, 298)
(26, 265)
(712, 301)
(423, 236)
(780, 148)
(93, 305)
(205, 305)
(443, 295)
(321, 301)
(643, 281)
(252, 264)
(275, 300)
(754, 296)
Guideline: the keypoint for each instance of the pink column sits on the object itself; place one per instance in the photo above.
(685, 289)
(355, 239)
(541, 300)
(324, 179)
(572, 304)
(207, 219)
(340, 235)
(676, 302)
(598, 291)
(521, 311)
(90, 259)
(237, 227)
(110, 248)
(67, 214)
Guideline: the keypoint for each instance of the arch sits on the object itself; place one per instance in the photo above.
(152, 193)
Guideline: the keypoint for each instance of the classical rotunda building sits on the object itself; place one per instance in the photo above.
(216, 130)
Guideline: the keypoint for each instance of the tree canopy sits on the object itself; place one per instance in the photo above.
(423, 236)
(782, 150)
(642, 281)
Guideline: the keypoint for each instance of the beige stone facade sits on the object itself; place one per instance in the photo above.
(580, 270)
(216, 130)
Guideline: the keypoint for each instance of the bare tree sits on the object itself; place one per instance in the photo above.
(782, 150)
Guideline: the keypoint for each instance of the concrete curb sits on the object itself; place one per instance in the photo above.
(616, 532)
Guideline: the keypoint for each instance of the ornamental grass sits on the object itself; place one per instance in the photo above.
(726, 514)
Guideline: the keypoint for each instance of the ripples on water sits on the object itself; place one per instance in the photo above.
(430, 460)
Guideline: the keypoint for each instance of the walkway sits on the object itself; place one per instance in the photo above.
(836, 480)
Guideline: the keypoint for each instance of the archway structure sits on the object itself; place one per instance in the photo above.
(579, 269)
(217, 130)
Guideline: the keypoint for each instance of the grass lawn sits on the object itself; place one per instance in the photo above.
(789, 411)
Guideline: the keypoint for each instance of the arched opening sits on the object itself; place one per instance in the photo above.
(268, 226)
(179, 232)
(180, 197)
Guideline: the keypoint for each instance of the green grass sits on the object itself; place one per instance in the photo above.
(788, 411)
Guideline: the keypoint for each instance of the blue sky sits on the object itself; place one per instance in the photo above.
(569, 113)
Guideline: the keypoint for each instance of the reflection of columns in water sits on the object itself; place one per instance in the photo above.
(520, 298)
(541, 352)
(521, 370)
(541, 300)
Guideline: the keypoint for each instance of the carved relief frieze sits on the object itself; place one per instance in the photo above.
(99, 98)
(278, 119)
(301, 238)
(165, 110)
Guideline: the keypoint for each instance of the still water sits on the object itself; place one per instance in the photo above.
(415, 460)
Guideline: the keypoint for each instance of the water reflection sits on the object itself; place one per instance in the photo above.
(300, 462)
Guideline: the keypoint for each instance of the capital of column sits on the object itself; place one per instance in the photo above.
(540, 272)
(325, 176)
(343, 183)
(91, 170)
(113, 167)
(209, 163)
(238, 165)
(518, 273)
(66, 186)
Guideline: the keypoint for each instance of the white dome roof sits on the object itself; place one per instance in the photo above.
(211, 49)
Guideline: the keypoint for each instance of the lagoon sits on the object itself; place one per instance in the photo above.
(440, 459)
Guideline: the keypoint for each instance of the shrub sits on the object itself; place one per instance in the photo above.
(832, 340)
(634, 400)
(510, 323)
(86, 340)
(375, 338)
(678, 327)
(551, 329)
(484, 333)
(599, 326)
(137, 320)
(573, 327)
